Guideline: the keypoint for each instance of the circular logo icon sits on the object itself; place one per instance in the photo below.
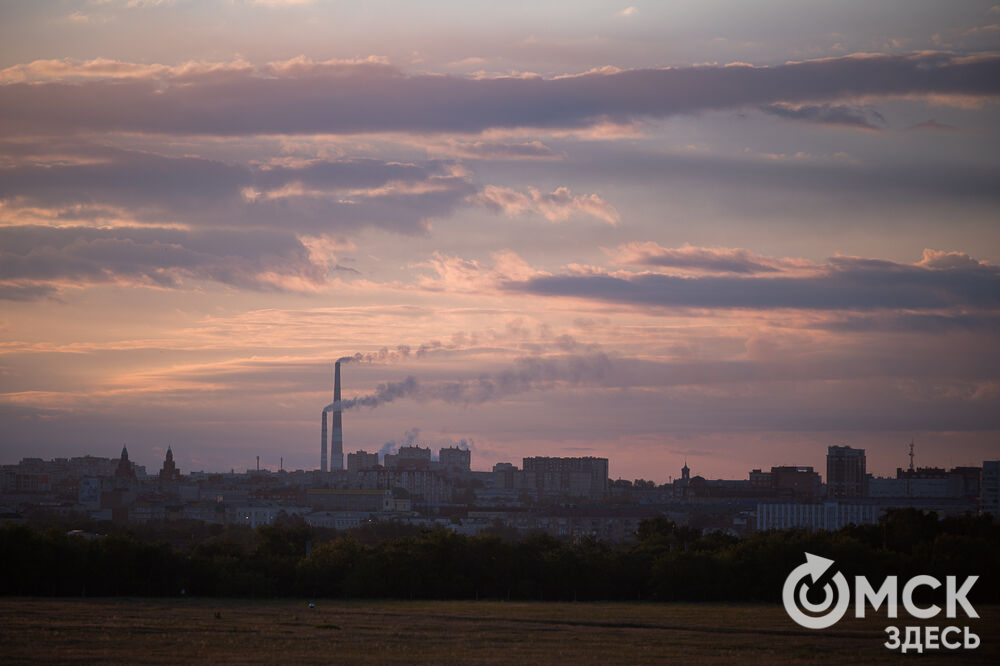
(794, 595)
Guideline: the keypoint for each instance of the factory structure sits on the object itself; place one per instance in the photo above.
(335, 444)
(411, 468)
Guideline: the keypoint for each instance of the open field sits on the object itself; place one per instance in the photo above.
(485, 632)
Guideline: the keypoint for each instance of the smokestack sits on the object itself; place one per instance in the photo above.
(322, 445)
(337, 437)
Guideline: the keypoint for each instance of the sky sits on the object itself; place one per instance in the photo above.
(726, 233)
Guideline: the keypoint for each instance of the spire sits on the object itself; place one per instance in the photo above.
(169, 472)
(124, 470)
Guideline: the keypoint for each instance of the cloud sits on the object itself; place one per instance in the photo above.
(557, 206)
(628, 11)
(746, 177)
(281, 3)
(373, 97)
(70, 70)
(707, 259)
(837, 115)
(320, 196)
(36, 261)
(24, 291)
(931, 125)
(952, 260)
(984, 29)
(304, 67)
(917, 323)
(845, 283)
(458, 275)
(597, 376)
(494, 150)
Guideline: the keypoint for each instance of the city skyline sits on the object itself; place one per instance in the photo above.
(727, 235)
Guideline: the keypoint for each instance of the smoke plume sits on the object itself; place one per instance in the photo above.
(529, 373)
(386, 355)
(409, 439)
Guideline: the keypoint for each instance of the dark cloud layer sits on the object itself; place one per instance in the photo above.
(31, 256)
(378, 99)
(320, 196)
(720, 260)
(847, 283)
(908, 322)
(827, 114)
(902, 182)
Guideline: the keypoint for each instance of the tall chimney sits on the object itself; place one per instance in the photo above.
(337, 437)
(322, 445)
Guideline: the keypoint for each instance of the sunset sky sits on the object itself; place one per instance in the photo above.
(727, 233)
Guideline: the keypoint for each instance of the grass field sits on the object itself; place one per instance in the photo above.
(484, 632)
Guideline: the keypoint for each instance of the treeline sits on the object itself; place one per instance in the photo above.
(666, 563)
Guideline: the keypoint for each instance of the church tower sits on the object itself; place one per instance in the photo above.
(169, 473)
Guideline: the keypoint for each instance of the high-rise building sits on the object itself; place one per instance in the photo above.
(586, 476)
(408, 457)
(797, 481)
(361, 460)
(846, 476)
(991, 488)
(454, 459)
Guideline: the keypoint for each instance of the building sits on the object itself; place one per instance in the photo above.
(929, 482)
(830, 515)
(125, 477)
(338, 520)
(371, 501)
(256, 514)
(169, 473)
(360, 460)
(423, 485)
(796, 481)
(760, 480)
(408, 457)
(835, 514)
(573, 477)
(990, 489)
(846, 477)
(454, 459)
(505, 476)
(966, 481)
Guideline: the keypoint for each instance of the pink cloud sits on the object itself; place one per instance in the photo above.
(556, 206)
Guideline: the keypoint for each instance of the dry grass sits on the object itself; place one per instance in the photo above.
(484, 632)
